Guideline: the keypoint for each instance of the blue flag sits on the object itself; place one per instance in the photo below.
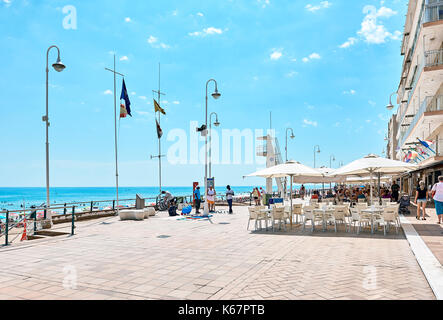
(426, 145)
(125, 108)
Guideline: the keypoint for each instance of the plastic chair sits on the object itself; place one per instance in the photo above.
(278, 214)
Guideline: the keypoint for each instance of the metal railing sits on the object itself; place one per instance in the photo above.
(433, 58)
(429, 104)
(433, 12)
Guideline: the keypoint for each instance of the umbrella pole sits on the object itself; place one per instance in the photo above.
(379, 193)
(371, 185)
(290, 179)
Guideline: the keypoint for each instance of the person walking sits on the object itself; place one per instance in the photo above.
(395, 192)
(437, 195)
(211, 199)
(421, 199)
(263, 196)
(198, 200)
(229, 198)
(255, 195)
(302, 192)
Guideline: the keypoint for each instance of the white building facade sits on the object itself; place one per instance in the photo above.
(420, 93)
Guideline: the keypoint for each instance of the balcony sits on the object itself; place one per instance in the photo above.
(433, 58)
(433, 12)
(430, 104)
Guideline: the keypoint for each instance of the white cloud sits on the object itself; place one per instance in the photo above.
(153, 41)
(128, 19)
(310, 123)
(200, 14)
(143, 97)
(133, 93)
(7, 2)
(107, 92)
(291, 74)
(206, 31)
(351, 41)
(276, 54)
(372, 30)
(264, 3)
(312, 56)
(124, 58)
(176, 102)
(372, 103)
(351, 92)
(322, 5)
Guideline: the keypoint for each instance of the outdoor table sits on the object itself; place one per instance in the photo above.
(372, 211)
(323, 211)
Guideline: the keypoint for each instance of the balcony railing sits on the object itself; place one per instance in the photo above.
(433, 12)
(433, 58)
(429, 104)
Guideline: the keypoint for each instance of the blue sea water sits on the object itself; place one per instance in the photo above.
(14, 198)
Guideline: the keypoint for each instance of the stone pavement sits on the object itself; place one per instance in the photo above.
(162, 258)
(429, 231)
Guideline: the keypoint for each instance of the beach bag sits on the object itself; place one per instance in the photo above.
(173, 211)
(187, 210)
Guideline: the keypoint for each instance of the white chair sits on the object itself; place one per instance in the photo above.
(339, 215)
(257, 216)
(297, 211)
(361, 206)
(387, 218)
(361, 200)
(363, 219)
(278, 214)
(385, 202)
(308, 215)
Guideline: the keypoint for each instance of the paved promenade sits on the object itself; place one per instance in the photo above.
(162, 258)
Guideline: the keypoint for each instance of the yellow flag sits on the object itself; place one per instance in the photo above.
(158, 108)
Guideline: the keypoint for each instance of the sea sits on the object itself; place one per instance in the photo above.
(19, 198)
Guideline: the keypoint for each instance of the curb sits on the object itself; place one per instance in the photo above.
(429, 264)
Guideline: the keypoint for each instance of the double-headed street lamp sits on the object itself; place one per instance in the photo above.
(331, 159)
(59, 67)
(316, 150)
(216, 95)
(217, 124)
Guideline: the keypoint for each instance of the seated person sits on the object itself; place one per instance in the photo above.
(361, 196)
(315, 195)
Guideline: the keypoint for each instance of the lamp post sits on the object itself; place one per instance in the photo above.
(390, 106)
(331, 159)
(216, 95)
(286, 150)
(217, 124)
(59, 67)
(316, 150)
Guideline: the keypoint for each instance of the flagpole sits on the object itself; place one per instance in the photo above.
(159, 156)
(115, 128)
(115, 131)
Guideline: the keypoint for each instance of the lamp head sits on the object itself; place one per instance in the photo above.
(390, 106)
(216, 95)
(216, 123)
(292, 136)
(59, 66)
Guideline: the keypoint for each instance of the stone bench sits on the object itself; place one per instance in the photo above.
(137, 215)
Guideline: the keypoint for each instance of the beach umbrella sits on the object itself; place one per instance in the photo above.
(373, 164)
(292, 169)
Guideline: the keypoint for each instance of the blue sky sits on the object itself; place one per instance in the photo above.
(325, 68)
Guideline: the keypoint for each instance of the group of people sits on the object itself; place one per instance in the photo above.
(211, 197)
(258, 196)
(423, 195)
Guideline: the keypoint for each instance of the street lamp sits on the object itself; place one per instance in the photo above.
(316, 150)
(292, 137)
(59, 67)
(216, 95)
(331, 159)
(217, 124)
(390, 105)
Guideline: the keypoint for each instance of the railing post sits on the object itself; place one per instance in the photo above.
(44, 214)
(113, 205)
(73, 221)
(65, 210)
(7, 228)
(92, 205)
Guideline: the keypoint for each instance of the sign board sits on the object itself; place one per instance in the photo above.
(211, 182)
